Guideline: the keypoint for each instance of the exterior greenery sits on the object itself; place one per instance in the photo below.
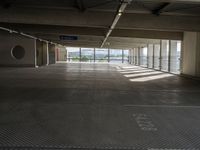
(97, 55)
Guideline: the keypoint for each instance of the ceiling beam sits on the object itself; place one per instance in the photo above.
(161, 23)
(96, 45)
(85, 31)
(97, 38)
(118, 14)
(150, 34)
(54, 29)
(175, 1)
(99, 19)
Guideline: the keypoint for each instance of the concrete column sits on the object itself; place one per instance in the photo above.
(94, 55)
(165, 55)
(129, 56)
(47, 53)
(132, 56)
(137, 56)
(35, 53)
(108, 55)
(160, 58)
(198, 55)
(150, 55)
(122, 56)
(39, 52)
(156, 57)
(45, 47)
(191, 54)
(52, 54)
(57, 53)
(169, 57)
(80, 54)
(153, 61)
(139, 49)
(173, 55)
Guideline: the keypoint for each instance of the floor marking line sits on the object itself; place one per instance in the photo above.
(167, 106)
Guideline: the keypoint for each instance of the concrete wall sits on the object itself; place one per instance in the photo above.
(52, 54)
(8, 41)
(191, 54)
(61, 53)
(198, 56)
(41, 53)
(45, 53)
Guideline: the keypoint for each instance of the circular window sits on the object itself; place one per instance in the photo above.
(18, 52)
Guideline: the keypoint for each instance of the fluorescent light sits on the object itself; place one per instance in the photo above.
(119, 13)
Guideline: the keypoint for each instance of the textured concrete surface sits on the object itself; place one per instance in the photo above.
(97, 106)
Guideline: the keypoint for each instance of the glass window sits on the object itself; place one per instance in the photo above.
(136, 60)
(150, 55)
(131, 56)
(87, 54)
(143, 56)
(97, 55)
(126, 56)
(157, 56)
(101, 55)
(116, 55)
(175, 56)
(165, 55)
(73, 54)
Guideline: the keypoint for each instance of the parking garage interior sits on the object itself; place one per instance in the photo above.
(100, 74)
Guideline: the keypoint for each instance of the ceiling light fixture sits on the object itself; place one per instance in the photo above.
(119, 13)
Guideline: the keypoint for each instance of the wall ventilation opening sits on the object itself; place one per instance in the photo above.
(18, 52)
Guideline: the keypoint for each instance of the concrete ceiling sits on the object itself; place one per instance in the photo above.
(90, 20)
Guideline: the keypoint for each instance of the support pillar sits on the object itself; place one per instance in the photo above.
(122, 56)
(191, 54)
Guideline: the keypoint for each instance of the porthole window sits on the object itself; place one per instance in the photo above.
(18, 52)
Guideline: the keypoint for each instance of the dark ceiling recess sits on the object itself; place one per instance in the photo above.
(6, 4)
(103, 3)
(82, 6)
(18, 52)
(160, 9)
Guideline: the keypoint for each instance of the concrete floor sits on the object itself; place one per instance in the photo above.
(98, 106)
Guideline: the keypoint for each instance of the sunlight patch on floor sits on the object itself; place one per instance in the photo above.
(137, 71)
(150, 78)
(143, 74)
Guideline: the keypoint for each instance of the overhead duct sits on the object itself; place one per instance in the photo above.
(119, 13)
(26, 35)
